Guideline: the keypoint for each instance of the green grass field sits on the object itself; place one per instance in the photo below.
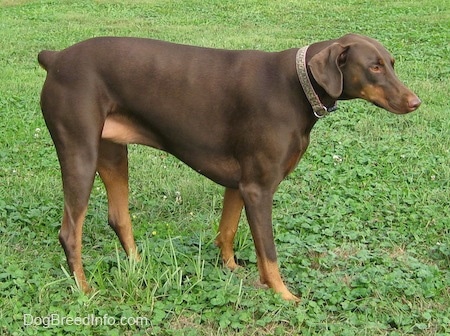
(362, 225)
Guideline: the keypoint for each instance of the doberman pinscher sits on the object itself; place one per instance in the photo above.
(240, 118)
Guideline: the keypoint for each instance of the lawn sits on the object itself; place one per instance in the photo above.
(362, 225)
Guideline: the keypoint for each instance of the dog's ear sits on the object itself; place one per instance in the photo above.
(326, 68)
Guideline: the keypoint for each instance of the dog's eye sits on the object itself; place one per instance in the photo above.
(377, 68)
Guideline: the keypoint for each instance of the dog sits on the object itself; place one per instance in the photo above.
(241, 118)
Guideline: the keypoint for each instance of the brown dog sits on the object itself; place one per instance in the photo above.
(241, 118)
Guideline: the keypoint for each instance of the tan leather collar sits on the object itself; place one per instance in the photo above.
(319, 109)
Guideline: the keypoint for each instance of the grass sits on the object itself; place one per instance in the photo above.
(362, 224)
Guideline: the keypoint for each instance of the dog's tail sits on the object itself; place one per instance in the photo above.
(46, 58)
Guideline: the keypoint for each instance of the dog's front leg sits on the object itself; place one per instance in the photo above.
(231, 213)
(258, 208)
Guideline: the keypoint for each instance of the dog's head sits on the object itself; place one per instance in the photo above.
(356, 66)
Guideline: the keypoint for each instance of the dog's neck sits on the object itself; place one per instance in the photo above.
(319, 109)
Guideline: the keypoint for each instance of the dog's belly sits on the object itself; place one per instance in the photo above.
(120, 129)
(215, 164)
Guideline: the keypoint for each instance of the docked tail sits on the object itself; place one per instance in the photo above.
(46, 58)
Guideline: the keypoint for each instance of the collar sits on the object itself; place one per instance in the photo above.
(319, 109)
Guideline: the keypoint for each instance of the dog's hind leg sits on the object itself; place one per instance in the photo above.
(113, 169)
(78, 158)
(77, 187)
(75, 127)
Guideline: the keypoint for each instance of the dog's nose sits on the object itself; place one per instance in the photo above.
(414, 103)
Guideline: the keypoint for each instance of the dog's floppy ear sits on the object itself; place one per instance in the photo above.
(325, 68)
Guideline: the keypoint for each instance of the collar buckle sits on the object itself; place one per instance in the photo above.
(321, 112)
(324, 111)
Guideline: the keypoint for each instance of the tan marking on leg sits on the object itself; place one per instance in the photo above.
(70, 238)
(231, 213)
(113, 169)
(270, 276)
